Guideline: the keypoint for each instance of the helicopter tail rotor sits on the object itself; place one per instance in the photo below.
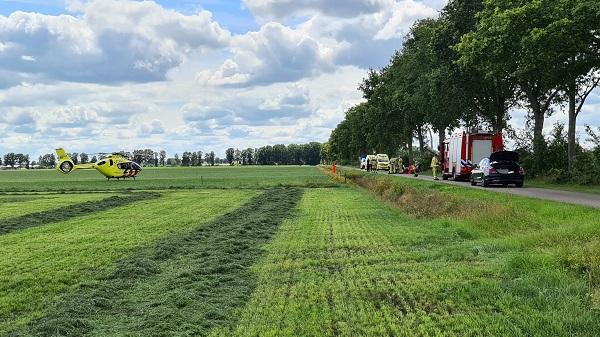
(65, 163)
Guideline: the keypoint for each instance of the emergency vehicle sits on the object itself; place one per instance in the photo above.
(464, 150)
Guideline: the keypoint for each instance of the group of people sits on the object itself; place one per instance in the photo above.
(413, 167)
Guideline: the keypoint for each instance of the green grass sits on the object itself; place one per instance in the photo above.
(183, 286)
(165, 178)
(542, 183)
(41, 263)
(348, 265)
(240, 256)
(44, 217)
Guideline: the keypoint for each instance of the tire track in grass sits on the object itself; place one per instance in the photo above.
(71, 211)
(186, 285)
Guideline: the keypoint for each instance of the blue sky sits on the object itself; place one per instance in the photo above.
(232, 14)
(109, 75)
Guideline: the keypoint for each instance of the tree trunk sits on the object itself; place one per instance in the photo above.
(572, 93)
(538, 131)
(421, 140)
(431, 138)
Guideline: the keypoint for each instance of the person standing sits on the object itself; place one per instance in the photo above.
(434, 166)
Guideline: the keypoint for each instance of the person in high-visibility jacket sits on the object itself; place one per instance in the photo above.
(434, 166)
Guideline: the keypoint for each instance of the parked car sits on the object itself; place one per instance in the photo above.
(501, 168)
(382, 162)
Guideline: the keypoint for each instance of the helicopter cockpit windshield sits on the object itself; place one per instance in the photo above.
(129, 166)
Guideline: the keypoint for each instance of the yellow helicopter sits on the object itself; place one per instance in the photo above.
(112, 166)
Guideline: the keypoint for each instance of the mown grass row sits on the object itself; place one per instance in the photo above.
(184, 286)
(71, 211)
(15, 206)
(349, 265)
(40, 264)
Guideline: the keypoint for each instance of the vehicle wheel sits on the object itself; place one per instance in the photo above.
(444, 177)
(473, 182)
(519, 184)
(485, 183)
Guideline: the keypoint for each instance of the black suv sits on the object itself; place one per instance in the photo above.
(501, 168)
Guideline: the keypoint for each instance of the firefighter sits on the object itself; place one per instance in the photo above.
(368, 164)
(393, 166)
(435, 163)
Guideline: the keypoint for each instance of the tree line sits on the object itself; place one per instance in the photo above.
(293, 154)
(472, 66)
(280, 154)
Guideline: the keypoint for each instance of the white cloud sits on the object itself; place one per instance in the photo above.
(105, 41)
(154, 127)
(367, 36)
(281, 9)
(116, 70)
(276, 53)
(401, 16)
(262, 106)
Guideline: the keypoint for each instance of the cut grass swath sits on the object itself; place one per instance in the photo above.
(12, 206)
(184, 286)
(71, 211)
(41, 264)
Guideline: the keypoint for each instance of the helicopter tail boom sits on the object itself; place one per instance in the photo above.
(66, 165)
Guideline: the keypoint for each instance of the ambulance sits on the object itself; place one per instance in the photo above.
(463, 150)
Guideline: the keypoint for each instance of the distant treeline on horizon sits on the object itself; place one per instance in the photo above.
(280, 154)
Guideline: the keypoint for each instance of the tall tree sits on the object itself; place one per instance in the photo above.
(199, 155)
(47, 160)
(162, 157)
(570, 36)
(186, 158)
(502, 47)
(229, 155)
(10, 159)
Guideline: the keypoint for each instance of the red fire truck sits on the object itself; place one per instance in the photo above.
(464, 150)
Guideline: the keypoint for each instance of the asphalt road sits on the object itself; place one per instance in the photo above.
(578, 198)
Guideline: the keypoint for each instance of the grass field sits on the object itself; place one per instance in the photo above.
(289, 251)
(163, 178)
(565, 187)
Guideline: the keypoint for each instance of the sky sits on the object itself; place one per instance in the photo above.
(190, 75)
